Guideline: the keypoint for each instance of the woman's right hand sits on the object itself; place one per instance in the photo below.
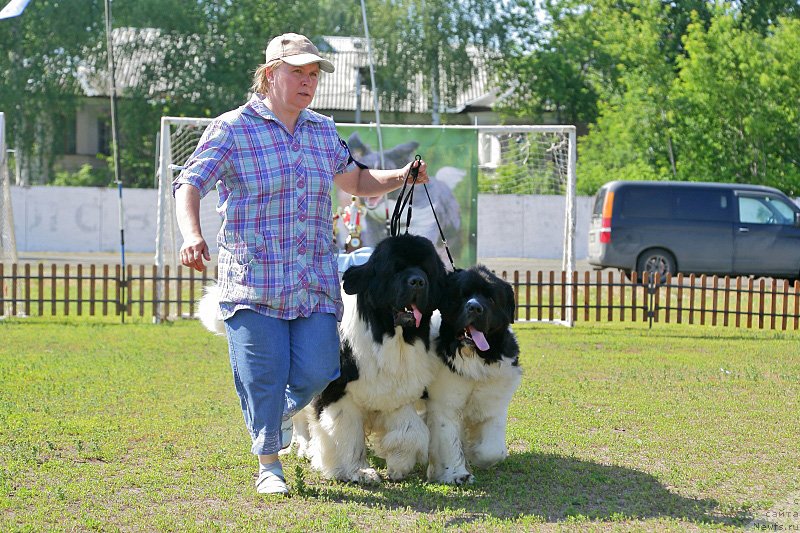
(193, 251)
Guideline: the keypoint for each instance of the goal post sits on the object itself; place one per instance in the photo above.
(8, 241)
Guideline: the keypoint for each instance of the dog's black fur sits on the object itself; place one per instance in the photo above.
(386, 363)
(479, 298)
(468, 399)
(400, 271)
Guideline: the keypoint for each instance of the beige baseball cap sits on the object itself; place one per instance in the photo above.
(296, 50)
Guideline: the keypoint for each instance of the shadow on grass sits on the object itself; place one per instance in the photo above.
(550, 487)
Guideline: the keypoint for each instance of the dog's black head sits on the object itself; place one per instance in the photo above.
(477, 309)
(400, 285)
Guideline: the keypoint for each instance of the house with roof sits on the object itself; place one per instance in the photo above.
(345, 94)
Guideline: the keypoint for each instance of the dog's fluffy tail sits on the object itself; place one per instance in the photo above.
(208, 310)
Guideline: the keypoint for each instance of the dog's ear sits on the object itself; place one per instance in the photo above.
(356, 278)
(508, 306)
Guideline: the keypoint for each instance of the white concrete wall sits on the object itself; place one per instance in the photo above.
(85, 219)
(529, 226)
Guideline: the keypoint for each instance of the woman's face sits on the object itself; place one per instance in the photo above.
(293, 88)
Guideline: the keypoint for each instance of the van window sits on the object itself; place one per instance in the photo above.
(646, 202)
(711, 205)
(597, 210)
(765, 210)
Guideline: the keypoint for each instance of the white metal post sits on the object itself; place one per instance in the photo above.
(569, 223)
(164, 180)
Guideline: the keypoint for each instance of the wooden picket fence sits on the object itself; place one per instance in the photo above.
(144, 292)
(101, 290)
(763, 303)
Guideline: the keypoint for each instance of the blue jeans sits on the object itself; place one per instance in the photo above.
(278, 367)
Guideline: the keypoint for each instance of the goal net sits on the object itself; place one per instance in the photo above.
(533, 160)
(8, 243)
(177, 140)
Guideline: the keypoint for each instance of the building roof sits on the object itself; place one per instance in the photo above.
(137, 49)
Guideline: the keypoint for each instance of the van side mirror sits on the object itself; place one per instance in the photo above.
(797, 220)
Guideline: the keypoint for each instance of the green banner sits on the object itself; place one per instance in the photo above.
(452, 158)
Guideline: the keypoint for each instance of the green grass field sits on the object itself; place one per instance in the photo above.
(615, 427)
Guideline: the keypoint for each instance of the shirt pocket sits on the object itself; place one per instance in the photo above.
(256, 271)
(265, 270)
(326, 263)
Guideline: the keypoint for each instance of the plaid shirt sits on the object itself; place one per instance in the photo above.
(276, 250)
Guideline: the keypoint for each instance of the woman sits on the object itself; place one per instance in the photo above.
(274, 162)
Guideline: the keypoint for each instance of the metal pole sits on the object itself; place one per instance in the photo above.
(164, 175)
(375, 103)
(569, 224)
(372, 79)
(112, 85)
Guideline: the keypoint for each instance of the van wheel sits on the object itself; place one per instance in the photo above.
(656, 261)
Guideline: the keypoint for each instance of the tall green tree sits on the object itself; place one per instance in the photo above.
(737, 94)
(440, 41)
(632, 137)
(760, 15)
(41, 53)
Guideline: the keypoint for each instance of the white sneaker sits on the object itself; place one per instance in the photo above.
(271, 483)
(286, 433)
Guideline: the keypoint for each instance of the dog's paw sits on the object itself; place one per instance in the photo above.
(362, 476)
(396, 475)
(487, 458)
(449, 477)
(368, 476)
(285, 451)
(466, 479)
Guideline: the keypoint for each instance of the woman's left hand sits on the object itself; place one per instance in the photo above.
(422, 177)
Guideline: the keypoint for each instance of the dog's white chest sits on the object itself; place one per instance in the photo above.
(396, 373)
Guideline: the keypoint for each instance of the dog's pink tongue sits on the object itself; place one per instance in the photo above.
(417, 314)
(478, 338)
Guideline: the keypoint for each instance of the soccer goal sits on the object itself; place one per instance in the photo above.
(177, 139)
(534, 160)
(518, 160)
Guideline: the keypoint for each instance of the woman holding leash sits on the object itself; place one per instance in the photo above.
(274, 163)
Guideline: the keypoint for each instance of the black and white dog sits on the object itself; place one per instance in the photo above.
(478, 373)
(386, 365)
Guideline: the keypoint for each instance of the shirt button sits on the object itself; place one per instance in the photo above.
(296, 147)
(301, 217)
(301, 250)
(305, 283)
(301, 183)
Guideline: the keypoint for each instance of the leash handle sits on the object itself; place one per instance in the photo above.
(404, 199)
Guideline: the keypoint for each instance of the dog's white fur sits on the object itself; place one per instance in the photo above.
(208, 310)
(467, 413)
(378, 405)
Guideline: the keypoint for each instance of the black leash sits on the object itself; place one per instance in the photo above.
(406, 200)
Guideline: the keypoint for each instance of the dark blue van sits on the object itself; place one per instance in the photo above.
(692, 227)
